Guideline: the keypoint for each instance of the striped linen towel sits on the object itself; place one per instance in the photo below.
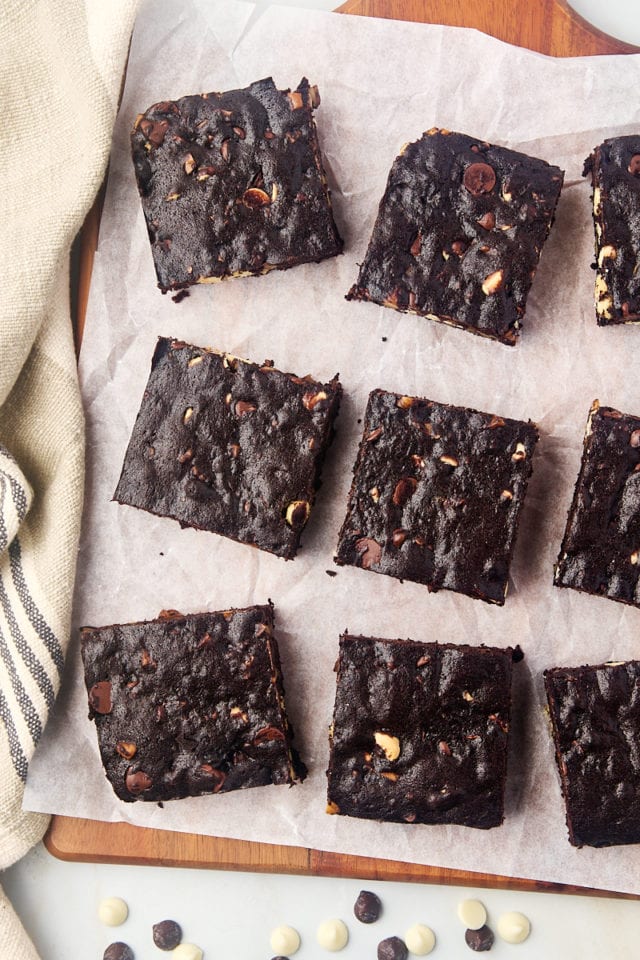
(61, 64)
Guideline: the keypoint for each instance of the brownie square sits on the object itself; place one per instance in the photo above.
(614, 167)
(459, 233)
(187, 705)
(436, 495)
(225, 445)
(232, 184)
(595, 717)
(420, 732)
(600, 552)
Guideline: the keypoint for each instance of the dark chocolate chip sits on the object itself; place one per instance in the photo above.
(487, 220)
(518, 654)
(137, 781)
(369, 550)
(212, 774)
(479, 940)
(267, 733)
(243, 407)
(167, 934)
(118, 951)
(367, 907)
(404, 489)
(634, 165)
(479, 178)
(393, 948)
(100, 697)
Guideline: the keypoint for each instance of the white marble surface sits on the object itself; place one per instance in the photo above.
(231, 915)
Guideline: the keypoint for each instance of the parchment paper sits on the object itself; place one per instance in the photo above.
(382, 83)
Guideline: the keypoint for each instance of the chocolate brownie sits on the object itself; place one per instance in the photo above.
(225, 445)
(436, 495)
(595, 716)
(600, 552)
(459, 233)
(614, 167)
(232, 184)
(187, 705)
(420, 732)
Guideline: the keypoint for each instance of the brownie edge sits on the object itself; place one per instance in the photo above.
(595, 719)
(190, 705)
(420, 732)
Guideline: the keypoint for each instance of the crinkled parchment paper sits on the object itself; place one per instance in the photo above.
(382, 83)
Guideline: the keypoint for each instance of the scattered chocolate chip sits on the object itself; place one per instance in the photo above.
(367, 907)
(384, 339)
(518, 654)
(137, 781)
(393, 948)
(479, 940)
(479, 178)
(331, 573)
(118, 951)
(180, 296)
(167, 934)
(634, 165)
(100, 697)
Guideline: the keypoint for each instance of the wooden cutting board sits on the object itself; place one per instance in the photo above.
(547, 26)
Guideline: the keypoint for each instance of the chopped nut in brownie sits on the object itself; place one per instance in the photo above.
(196, 704)
(420, 732)
(459, 233)
(436, 495)
(232, 184)
(229, 446)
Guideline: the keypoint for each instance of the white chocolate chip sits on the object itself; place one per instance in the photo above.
(389, 745)
(514, 927)
(285, 941)
(187, 951)
(113, 911)
(333, 935)
(472, 913)
(607, 253)
(420, 939)
(596, 200)
(493, 283)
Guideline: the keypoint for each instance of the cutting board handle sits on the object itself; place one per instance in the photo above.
(548, 26)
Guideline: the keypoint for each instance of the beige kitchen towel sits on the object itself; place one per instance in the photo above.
(61, 66)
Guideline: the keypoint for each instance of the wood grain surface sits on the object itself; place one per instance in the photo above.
(547, 26)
